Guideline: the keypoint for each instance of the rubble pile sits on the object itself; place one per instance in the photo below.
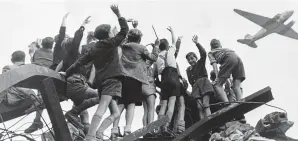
(236, 131)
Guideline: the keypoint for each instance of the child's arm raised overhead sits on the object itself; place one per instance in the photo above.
(173, 36)
(123, 25)
(202, 51)
(62, 30)
(178, 43)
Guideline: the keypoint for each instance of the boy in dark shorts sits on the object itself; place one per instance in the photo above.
(198, 78)
(166, 66)
(231, 64)
(133, 60)
(105, 57)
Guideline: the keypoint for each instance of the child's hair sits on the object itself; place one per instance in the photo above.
(102, 31)
(134, 35)
(47, 43)
(164, 44)
(66, 43)
(57, 37)
(212, 75)
(18, 56)
(191, 54)
(215, 43)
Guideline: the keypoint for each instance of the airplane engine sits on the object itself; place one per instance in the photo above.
(290, 24)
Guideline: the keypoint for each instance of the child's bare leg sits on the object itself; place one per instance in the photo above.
(206, 107)
(150, 108)
(145, 116)
(171, 106)
(237, 90)
(220, 90)
(163, 108)
(109, 120)
(115, 131)
(101, 109)
(180, 123)
(129, 118)
(200, 108)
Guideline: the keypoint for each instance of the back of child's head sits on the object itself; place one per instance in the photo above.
(212, 75)
(47, 43)
(215, 44)
(134, 35)
(191, 54)
(18, 56)
(90, 37)
(56, 38)
(102, 31)
(164, 44)
(65, 43)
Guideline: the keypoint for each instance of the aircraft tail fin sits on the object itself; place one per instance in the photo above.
(248, 42)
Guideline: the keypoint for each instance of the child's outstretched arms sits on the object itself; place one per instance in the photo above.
(202, 51)
(173, 36)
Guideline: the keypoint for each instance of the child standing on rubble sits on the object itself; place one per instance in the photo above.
(198, 78)
(105, 57)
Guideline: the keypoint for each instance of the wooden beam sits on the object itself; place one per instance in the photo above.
(52, 103)
(226, 114)
(27, 76)
(143, 131)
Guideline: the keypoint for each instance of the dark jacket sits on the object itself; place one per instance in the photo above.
(104, 55)
(134, 58)
(59, 52)
(72, 49)
(43, 57)
(199, 70)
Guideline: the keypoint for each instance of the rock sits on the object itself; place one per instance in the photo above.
(274, 126)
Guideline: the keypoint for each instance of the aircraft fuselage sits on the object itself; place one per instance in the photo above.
(271, 25)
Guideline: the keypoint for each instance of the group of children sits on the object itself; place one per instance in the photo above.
(116, 72)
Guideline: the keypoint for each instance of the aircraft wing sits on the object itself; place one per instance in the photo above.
(289, 33)
(257, 19)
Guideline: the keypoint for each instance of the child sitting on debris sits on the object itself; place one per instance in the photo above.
(106, 61)
(198, 78)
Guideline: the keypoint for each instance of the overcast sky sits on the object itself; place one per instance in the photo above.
(272, 64)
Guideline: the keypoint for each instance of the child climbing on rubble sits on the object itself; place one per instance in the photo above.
(198, 79)
(230, 64)
(108, 72)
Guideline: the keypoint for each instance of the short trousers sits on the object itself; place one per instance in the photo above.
(148, 89)
(111, 86)
(232, 65)
(76, 85)
(131, 92)
(170, 84)
(202, 87)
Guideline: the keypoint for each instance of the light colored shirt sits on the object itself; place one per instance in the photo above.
(217, 55)
(166, 59)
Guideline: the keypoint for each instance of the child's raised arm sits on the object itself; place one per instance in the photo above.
(178, 43)
(173, 36)
(202, 51)
(123, 25)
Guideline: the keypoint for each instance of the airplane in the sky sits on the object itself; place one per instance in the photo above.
(270, 25)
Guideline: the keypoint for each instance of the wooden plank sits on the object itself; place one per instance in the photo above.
(227, 114)
(52, 103)
(143, 131)
(28, 76)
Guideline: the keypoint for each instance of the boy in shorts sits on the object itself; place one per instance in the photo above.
(231, 64)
